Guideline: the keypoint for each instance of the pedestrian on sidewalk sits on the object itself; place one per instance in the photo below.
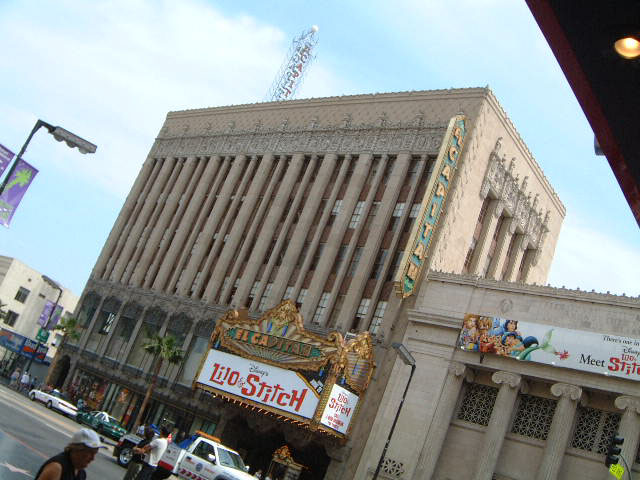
(15, 379)
(70, 464)
(137, 460)
(24, 382)
(153, 452)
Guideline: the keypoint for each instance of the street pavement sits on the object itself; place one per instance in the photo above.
(30, 434)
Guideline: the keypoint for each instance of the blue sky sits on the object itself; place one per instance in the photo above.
(111, 70)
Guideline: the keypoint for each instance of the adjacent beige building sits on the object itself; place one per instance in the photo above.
(483, 416)
(23, 295)
(311, 200)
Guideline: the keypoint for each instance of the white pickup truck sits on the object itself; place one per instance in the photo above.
(203, 457)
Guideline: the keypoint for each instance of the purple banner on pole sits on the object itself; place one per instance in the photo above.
(46, 313)
(50, 318)
(6, 156)
(55, 318)
(15, 189)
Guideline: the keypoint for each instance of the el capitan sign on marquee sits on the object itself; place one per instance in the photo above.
(274, 364)
(601, 353)
(416, 255)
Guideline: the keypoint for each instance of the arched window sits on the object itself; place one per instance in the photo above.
(103, 324)
(123, 331)
(152, 322)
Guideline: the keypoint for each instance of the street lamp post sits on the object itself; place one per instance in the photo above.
(60, 134)
(55, 285)
(408, 359)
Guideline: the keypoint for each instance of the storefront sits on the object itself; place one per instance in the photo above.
(290, 382)
(17, 350)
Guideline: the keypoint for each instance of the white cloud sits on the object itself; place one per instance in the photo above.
(114, 70)
(588, 258)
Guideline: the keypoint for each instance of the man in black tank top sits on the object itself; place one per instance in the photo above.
(70, 464)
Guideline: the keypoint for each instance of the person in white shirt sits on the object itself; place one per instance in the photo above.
(24, 381)
(153, 452)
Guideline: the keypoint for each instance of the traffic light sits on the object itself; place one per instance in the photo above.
(613, 451)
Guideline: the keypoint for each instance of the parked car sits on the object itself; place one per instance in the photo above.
(103, 423)
(55, 400)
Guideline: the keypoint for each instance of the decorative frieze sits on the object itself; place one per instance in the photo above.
(514, 199)
(380, 138)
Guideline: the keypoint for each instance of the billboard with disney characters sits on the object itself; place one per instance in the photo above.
(526, 341)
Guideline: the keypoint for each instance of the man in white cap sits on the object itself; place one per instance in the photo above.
(77, 455)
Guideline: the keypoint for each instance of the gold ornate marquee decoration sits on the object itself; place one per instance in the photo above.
(280, 339)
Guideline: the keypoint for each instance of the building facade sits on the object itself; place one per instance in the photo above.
(24, 292)
(317, 201)
(471, 414)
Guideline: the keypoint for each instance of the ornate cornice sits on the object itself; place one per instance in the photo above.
(565, 390)
(513, 197)
(512, 379)
(381, 137)
(627, 402)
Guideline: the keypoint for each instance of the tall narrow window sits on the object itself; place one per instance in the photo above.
(321, 309)
(507, 257)
(301, 296)
(317, 256)
(492, 247)
(394, 265)
(379, 264)
(303, 254)
(373, 211)
(288, 293)
(378, 315)
(339, 258)
(396, 216)
(253, 291)
(414, 167)
(357, 213)
(476, 235)
(388, 170)
(362, 311)
(354, 261)
(265, 296)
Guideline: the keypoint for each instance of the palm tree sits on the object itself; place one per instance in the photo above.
(163, 349)
(70, 328)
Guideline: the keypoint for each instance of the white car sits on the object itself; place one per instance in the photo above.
(55, 400)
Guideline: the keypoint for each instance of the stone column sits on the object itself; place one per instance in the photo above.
(499, 256)
(629, 427)
(441, 420)
(166, 214)
(560, 431)
(188, 228)
(498, 423)
(122, 219)
(142, 219)
(516, 257)
(201, 249)
(486, 236)
(230, 254)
